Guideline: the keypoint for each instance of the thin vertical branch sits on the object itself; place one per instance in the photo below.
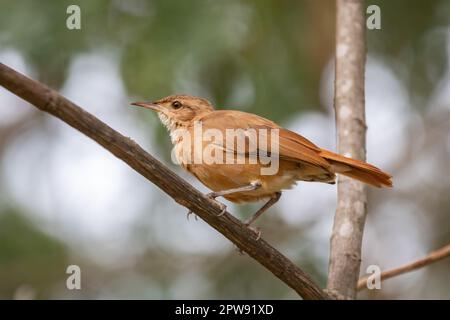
(346, 239)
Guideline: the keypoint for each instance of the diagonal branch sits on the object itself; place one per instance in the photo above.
(429, 259)
(183, 193)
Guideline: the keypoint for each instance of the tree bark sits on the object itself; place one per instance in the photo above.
(183, 193)
(346, 239)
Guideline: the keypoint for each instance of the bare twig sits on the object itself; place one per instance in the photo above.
(10, 130)
(346, 239)
(429, 259)
(183, 193)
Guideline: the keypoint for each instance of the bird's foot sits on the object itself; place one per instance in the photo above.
(255, 230)
(212, 195)
(239, 250)
(189, 213)
(223, 208)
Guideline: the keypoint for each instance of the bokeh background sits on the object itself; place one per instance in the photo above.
(65, 200)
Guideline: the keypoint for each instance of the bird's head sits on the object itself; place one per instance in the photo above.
(178, 110)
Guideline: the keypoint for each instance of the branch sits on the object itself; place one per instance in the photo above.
(429, 259)
(348, 228)
(183, 193)
(10, 130)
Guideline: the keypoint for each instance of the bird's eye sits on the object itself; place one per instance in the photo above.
(176, 104)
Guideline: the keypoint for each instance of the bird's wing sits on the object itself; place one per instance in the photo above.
(290, 145)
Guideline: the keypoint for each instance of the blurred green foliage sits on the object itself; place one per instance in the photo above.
(28, 257)
(276, 50)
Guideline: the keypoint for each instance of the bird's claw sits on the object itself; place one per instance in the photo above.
(255, 230)
(212, 195)
(223, 208)
(189, 213)
(240, 251)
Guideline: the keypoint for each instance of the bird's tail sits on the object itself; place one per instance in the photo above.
(358, 170)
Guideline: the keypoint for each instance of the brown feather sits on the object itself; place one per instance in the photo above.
(358, 169)
(296, 148)
(291, 146)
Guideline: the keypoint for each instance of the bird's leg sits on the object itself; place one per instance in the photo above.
(263, 209)
(189, 214)
(213, 195)
(252, 186)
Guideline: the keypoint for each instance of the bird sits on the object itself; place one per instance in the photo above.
(242, 181)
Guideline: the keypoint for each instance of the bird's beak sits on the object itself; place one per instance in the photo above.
(148, 105)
